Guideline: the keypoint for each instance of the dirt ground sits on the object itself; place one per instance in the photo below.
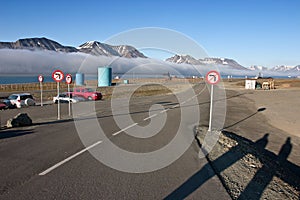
(257, 154)
(282, 108)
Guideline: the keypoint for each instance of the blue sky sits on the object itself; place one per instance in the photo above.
(257, 32)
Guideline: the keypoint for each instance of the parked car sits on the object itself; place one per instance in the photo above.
(64, 98)
(3, 106)
(87, 93)
(19, 100)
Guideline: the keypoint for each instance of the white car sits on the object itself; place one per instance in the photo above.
(19, 100)
(64, 98)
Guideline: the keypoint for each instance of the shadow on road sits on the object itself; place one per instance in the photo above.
(54, 122)
(273, 165)
(14, 133)
(236, 123)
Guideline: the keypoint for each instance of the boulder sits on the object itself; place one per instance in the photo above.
(21, 119)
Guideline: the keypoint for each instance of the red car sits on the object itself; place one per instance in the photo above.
(87, 93)
(3, 106)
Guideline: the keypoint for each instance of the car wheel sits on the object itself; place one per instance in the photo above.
(56, 102)
(90, 98)
(29, 102)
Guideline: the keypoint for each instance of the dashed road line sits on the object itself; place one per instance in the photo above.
(124, 129)
(166, 110)
(68, 159)
(154, 115)
(183, 102)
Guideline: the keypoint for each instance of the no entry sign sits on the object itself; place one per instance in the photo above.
(68, 78)
(58, 75)
(213, 77)
(40, 78)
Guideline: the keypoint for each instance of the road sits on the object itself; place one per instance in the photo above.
(52, 160)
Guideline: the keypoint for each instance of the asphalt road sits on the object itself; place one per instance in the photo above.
(51, 160)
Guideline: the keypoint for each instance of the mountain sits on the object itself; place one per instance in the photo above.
(257, 68)
(223, 61)
(282, 68)
(296, 68)
(98, 48)
(187, 59)
(93, 48)
(37, 43)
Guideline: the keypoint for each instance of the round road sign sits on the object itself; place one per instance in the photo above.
(41, 78)
(213, 77)
(68, 78)
(58, 75)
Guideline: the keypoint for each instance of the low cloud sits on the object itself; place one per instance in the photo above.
(26, 62)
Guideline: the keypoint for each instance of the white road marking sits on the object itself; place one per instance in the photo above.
(124, 129)
(68, 159)
(175, 106)
(154, 115)
(166, 110)
(183, 102)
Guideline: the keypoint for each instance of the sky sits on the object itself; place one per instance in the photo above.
(253, 32)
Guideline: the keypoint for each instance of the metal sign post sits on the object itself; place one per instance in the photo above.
(41, 79)
(211, 106)
(58, 76)
(69, 81)
(212, 78)
(58, 102)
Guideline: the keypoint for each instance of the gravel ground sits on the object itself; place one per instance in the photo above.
(256, 156)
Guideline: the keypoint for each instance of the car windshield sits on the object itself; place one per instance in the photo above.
(62, 95)
(12, 97)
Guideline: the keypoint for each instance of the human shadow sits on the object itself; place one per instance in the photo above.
(207, 172)
(14, 133)
(244, 146)
(264, 175)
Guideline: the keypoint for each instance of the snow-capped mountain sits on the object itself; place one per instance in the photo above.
(223, 61)
(282, 68)
(37, 43)
(98, 48)
(93, 47)
(179, 59)
(257, 68)
(296, 69)
(187, 59)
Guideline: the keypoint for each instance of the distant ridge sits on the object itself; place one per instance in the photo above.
(101, 49)
(98, 48)
(187, 59)
(93, 48)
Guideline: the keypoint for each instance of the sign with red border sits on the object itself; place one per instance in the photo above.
(58, 75)
(40, 78)
(68, 78)
(213, 77)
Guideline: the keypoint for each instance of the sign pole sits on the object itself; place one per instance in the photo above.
(69, 81)
(69, 100)
(212, 77)
(211, 107)
(41, 79)
(58, 76)
(41, 86)
(58, 104)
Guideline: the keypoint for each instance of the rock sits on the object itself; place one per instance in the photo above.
(21, 119)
